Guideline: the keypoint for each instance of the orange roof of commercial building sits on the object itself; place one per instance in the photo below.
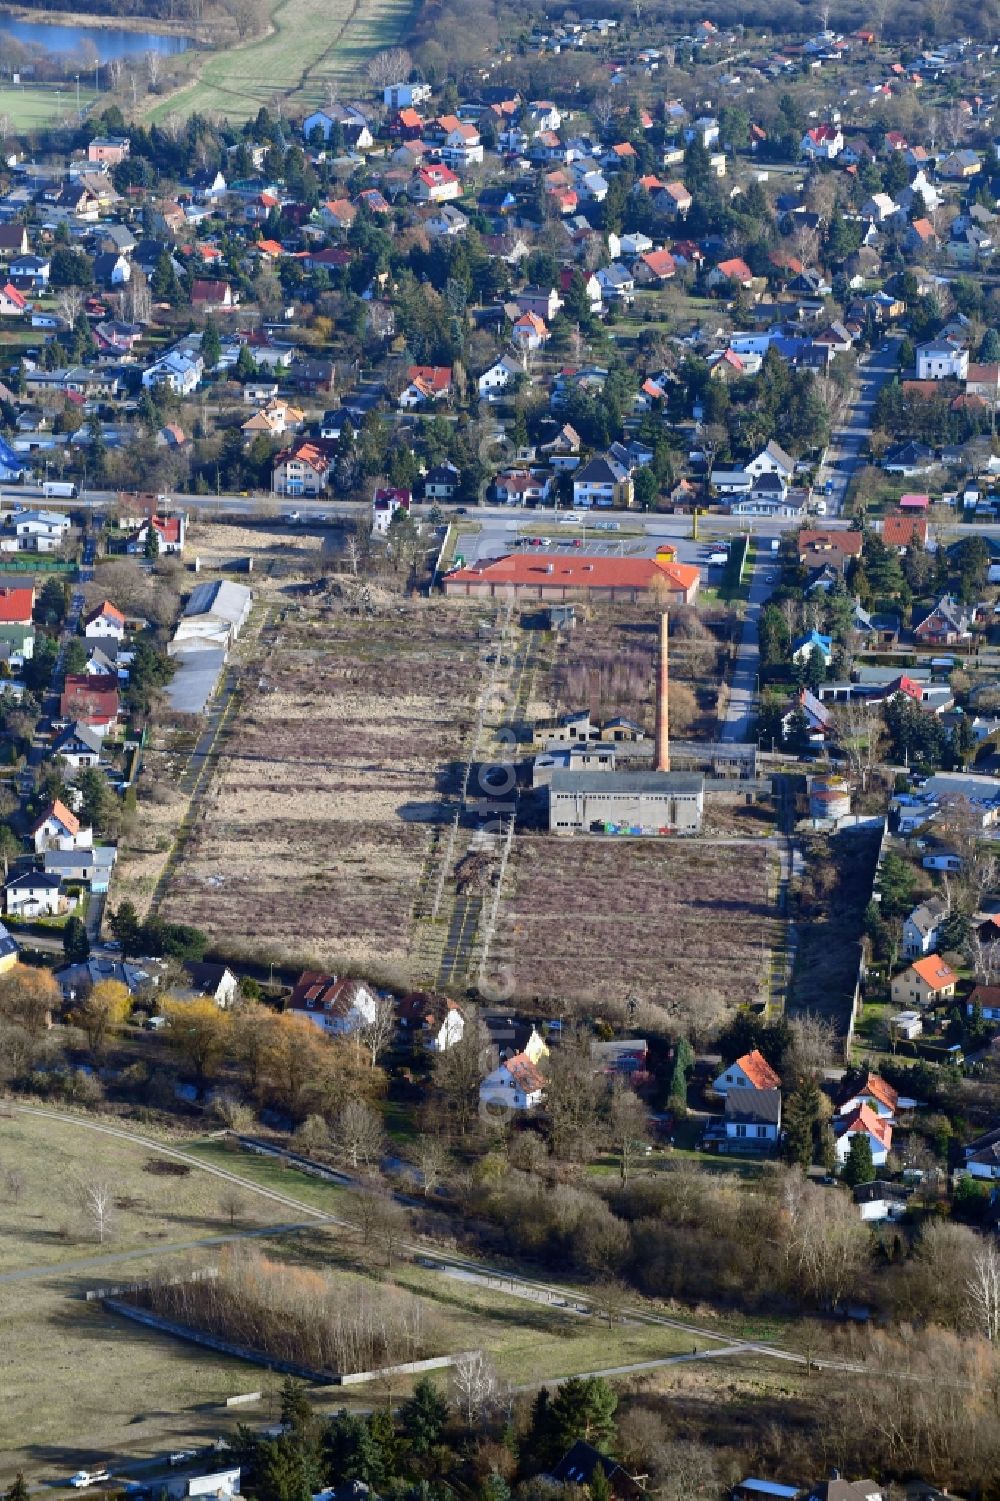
(934, 972)
(576, 570)
(758, 1070)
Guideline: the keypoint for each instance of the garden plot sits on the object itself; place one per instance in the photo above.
(312, 835)
(685, 927)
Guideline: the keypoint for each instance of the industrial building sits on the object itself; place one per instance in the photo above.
(625, 802)
(561, 576)
(213, 618)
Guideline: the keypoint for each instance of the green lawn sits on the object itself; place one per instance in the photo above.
(311, 44)
(35, 105)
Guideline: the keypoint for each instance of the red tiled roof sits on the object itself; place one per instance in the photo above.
(865, 1119)
(904, 531)
(934, 971)
(315, 991)
(875, 1085)
(58, 810)
(436, 377)
(92, 698)
(16, 606)
(574, 571)
(758, 1070)
(108, 610)
(525, 1073)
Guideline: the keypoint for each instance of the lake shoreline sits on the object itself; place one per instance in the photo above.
(198, 36)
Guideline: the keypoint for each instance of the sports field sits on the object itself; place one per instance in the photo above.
(33, 106)
(312, 44)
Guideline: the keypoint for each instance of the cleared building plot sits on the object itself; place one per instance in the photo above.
(685, 927)
(311, 839)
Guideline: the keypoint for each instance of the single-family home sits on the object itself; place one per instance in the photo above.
(942, 359)
(39, 531)
(868, 1089)
(925, 982)
(9, 951)
(303, 469)
(436, 1022)
(750, 1071)
(90, 700)
(752, 1117)
(498, 377)
(434, 183)
(59, 829)
(387, 501)
(602, 482)
(105, 622)
(82, 867)
(78, 746)
(34, 893)
(982, 1156)
(340, 1006)
(516, 1084)
(813, 643)
(863, 1121)
(217, 981)
(922, 929)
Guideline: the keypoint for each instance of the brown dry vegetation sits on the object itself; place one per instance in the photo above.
(312, 836)
(686, 927)
(606, 664)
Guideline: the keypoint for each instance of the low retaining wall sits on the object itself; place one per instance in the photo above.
(101, 1294)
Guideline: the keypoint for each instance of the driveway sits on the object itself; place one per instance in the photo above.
(741, 709)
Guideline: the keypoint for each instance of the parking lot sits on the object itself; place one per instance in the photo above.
(492, 538)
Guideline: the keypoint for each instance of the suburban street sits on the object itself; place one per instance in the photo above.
(843, 454)
(741, 708)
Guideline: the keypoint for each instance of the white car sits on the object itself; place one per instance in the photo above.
(83, 1478)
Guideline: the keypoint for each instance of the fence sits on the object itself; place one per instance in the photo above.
(121, 1289)
(31, 563)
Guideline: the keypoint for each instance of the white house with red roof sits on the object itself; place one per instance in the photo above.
(924, 983)
(517, 1084)
(435, 1020)
(339, 1006)
(427, 384)
(60, 829)
(434, 183)
(13, 304)
(529, 332)
(170, 534)
(822, 143)
(871, 1090)
(387, 501)
(862, 1120)
(16, 605)
(105, 623)
(751, 1071)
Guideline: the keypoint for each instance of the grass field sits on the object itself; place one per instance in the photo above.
(35, 105)
(311, 839)
(113, 1389)
(686, 927)
(313, 44)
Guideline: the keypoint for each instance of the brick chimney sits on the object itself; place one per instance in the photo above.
(662, 707)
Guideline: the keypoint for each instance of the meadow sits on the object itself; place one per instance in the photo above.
(35, 106)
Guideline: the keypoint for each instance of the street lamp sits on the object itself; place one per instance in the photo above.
(77, 96)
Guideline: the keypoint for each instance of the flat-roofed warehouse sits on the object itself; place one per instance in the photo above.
(626, 802)
(560, 576)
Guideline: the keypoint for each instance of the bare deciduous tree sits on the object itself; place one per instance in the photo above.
(233, 1205)
(99, 1207)
(154, 67)
(983, 1292)
(391, 65)
(359, 1133)
(628, 1124)
(475, 1386)
(376, 1032)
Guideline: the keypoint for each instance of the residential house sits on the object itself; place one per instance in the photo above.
(948, 623)
(516, 1084)
(39, 531)
(982, 1156)
(217, 981)
(924, 983)
(90, 700)
(34, 893)
(83, 867)
(903, 532)
(529, 332)
(434, 183)
(822, 143)
(752, 1118)
(824, 548)
(169, 531)
(303, 469)
(498, 377)
(942, 359)
(77, 746)
(13, 304)
(340, 1006)
(922, 928)
(105, 622)
(729, 272)
(602, 483)
(442, 481)
(813, 642)
(59, 829)
(213, 296)
(863, 1121)
(909, 459)
(435, 1021)
(426, 384)
(582, 1462)
(987, 999)
(79, 979)
(772, 459)
(386, 503)
(545, 304)
(868, 1089)
(750, 1071)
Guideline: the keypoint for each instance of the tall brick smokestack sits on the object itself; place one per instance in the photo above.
(662, 705)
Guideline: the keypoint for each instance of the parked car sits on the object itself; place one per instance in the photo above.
(84, 1478)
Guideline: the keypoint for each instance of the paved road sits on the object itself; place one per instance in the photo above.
(843, 456)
